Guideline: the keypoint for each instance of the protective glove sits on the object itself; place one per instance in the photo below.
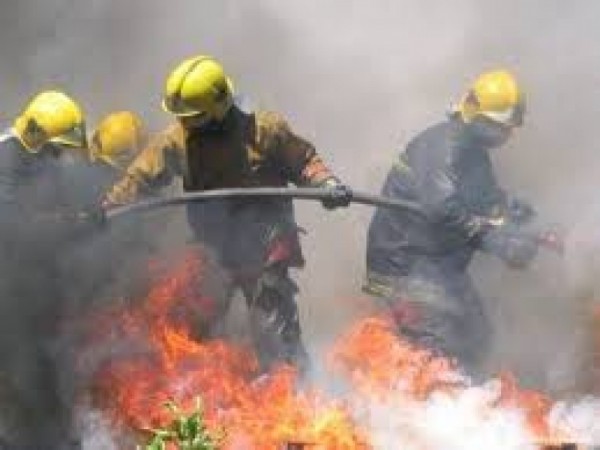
(94, 216)
(516, 248)
(339, 195)
(519, 211)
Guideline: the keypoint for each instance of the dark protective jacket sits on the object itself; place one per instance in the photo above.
(447, 170)
(246, 150)
(31, 191)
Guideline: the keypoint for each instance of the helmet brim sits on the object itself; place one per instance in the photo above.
(181, 110)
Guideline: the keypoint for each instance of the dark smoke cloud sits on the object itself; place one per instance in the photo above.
(359, 79)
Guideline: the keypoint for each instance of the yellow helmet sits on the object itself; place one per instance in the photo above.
(117, 139)
(198, 86)
(51, 116)
(496, 96)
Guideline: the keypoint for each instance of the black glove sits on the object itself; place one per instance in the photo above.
(338, 194)
(93, 217)
(515, 247)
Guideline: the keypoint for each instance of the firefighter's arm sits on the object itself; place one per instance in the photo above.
(151, 170)
(12, 212)
(295, 155)
(439, 195)
(301, 162)
(494, 234)
(8, 172)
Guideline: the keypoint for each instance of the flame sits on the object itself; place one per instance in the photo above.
(376, 361)
(536, 406)
(258, 411)
(393, 391)
(395, 373)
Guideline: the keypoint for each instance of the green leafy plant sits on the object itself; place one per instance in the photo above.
(184, 432)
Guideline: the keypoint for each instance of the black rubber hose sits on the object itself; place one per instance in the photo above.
(262, 192)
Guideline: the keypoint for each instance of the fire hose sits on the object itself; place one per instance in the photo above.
(263, 193)
(549, 240)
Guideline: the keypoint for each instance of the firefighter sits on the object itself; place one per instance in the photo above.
(215, 143)
(50, 130)
(117, 140)
(51, 123)
(112, 146)
(50, 126)
(418, 264)
(115, 143)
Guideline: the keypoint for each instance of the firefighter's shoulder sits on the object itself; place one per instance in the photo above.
(172, 137)
(6, 136)
(271, 122)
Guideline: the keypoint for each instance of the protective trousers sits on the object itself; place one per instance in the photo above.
(274, 318)
(257, 244)
(440, 309)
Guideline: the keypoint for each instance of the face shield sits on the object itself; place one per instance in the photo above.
(511, 117)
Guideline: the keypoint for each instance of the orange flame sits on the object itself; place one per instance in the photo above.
(373, 357)
(263, 412)
(167, 362)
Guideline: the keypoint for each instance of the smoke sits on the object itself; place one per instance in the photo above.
(359, 79)
(579, 419)
(449, 421)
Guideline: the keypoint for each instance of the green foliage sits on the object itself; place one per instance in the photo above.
(184, 432)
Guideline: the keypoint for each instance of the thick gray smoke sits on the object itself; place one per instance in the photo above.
(358, 78)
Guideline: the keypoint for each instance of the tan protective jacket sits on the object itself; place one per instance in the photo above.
(252, 149)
